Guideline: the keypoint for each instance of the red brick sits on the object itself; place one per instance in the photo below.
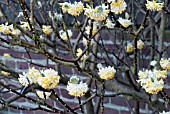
(118, 101)
(22, 65)
(10, 64)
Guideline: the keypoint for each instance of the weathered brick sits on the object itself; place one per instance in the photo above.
(10, 64)
(22, 65)
(118, 101)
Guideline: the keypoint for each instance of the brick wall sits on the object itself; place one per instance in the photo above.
(19, 63)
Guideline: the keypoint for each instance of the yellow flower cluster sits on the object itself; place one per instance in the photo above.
(33, 74)
(9, 29)
(47, 29)
(165, 63)
(152, 81)
(154, 6)
(5, 73)
(49, 80)
(129, 48)
(106, 73)
(118, 6)
(7, 55)
(43, 95)
(75, 88)
(100, 13)
(74, 9)
(79, 53)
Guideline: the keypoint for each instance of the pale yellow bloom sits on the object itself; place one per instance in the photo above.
(7, 55)
(49, 80)
(34, 74)
(110, 24)
(165, 63)
(6, 29)
(125, 22)
(76, 9)
(43, 95)
(47, 29)
(79, 52)
(5, 73)
(107, 73)
(63, 34)
(75, 88)
(154, 6)
(152, 80)
(118, 6)
(16, 32)
(100, 13)
(140, 44)
(129, 48)
(25, 25)
(65, 6)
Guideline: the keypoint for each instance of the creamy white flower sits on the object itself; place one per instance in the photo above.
(118, 6)
(125, 22)
(153, 63)
(140, 44)
(109, 24)
(107, 73)
(16, 32)
(34, 74)
(76, 9)
(165, 63)
(43, 95)
(47, 29)
(7, 55)
(49, 80)
(77, 89)
(65, 6)
(152, 80)
(24, 79)
(20, 14)
(63, 34)
(154, 5)
(99, 11)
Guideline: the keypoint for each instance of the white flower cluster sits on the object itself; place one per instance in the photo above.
(154, 5)
(165, 63)
(117, 6)
(75, 88)
(152, 80)
(43, 95)
(9, 29)
(106, 73)
(165, 112)
(47, 79)
(74, 9)
(63, 34)
(100, 13)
